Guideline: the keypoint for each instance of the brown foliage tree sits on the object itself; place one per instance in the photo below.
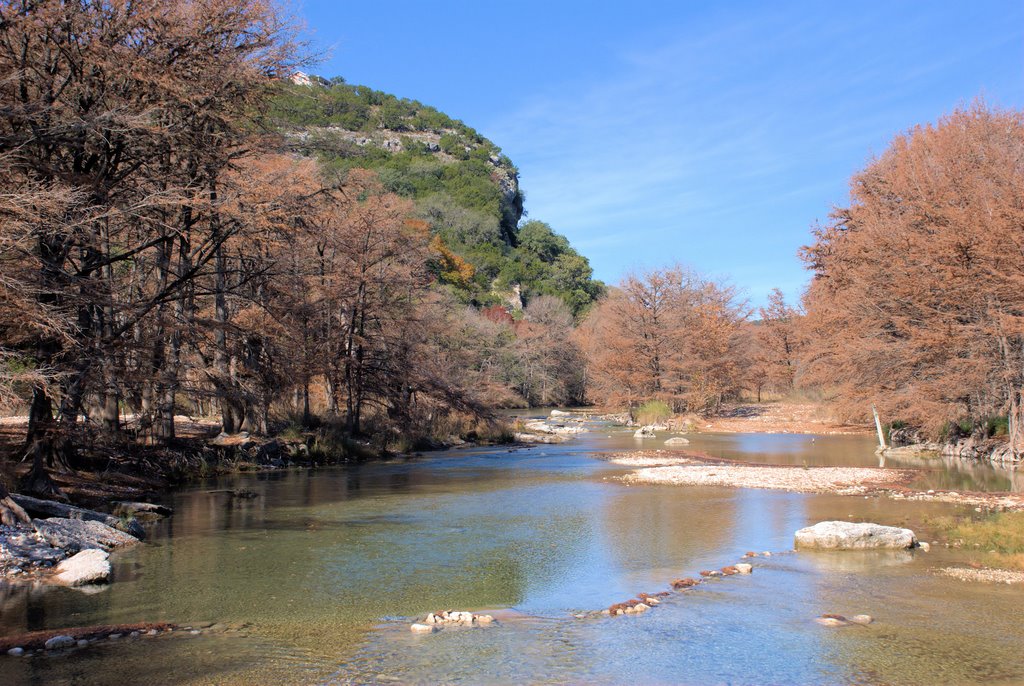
(917, 302)
(667, 334)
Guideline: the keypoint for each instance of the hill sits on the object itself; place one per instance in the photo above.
(464, 187)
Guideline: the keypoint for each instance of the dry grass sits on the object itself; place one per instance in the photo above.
(998, 538)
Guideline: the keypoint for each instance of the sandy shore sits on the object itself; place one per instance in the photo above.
(698, 471)
(692, 469)
(776, 417)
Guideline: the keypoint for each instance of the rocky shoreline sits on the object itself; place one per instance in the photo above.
(73, 549)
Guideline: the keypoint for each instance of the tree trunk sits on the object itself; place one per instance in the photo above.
(38, 480)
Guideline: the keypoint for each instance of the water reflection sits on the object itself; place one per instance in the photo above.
(320, 561)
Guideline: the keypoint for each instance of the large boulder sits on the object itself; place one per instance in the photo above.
(87, 567)
(74, 535)
(838, 535)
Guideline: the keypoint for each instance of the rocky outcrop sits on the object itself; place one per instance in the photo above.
(87, 567)
(837, 535)
(49, 508)
(75, 535)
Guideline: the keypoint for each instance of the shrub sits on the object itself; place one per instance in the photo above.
(652, 412)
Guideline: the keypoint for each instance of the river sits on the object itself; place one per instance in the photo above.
(327, 568)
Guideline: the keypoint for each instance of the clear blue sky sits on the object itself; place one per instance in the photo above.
(712, 134)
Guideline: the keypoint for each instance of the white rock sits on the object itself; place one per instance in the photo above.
(82, 643)
(678, 440)
(744, 568)
(16, 652)
(644, 432)
(924, 545)
(836, 535)
(484, 619)
(59, 642)
(862, 619)
(423, 628)
(87, 567)
(560, 413)
(641, 607)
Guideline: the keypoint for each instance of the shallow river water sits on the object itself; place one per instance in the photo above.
(329, 567)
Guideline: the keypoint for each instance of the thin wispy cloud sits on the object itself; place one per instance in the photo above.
(721, 144)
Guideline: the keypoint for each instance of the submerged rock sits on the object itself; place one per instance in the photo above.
(836, 535)
(678, 440)
(423, 628)
(832, 620)
(87, 567)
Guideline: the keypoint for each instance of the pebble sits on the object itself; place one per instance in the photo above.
(195, 632)
(82, 643)
(423, 628)
(16, 652)
(744, 568)
(152, 632)
(924, 545)
(136, 634)
(862, 619)
(114, 637)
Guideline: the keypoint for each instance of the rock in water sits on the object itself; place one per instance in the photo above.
(87, 567)
(59, 643)
(644, 432)
(853, 536)
(74, 535)
(678, 440)
(744, 568)
(422, 628)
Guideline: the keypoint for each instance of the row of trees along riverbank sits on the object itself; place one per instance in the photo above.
(163, 250)
(916, 304)
(162, 253)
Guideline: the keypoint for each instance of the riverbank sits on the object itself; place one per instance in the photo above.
(781, 416)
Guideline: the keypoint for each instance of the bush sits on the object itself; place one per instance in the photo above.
(652, 412)
(997, 426)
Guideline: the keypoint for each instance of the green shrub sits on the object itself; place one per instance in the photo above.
(652, 412)
(997, 426)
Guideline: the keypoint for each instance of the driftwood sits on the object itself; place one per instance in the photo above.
(49, 508)
(37, 639)
(11, 513)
